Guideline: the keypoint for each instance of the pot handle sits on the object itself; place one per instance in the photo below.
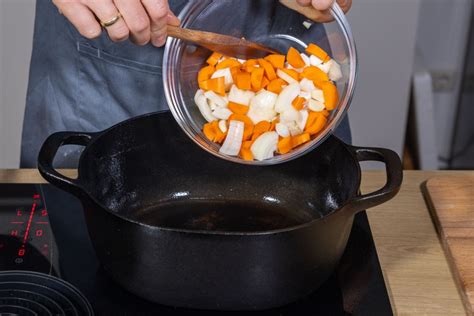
(48, 152)
(394, 170)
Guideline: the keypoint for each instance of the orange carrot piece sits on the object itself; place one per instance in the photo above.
(298, 103)
(269, 70)
(276, 85)
(209, 131)
(277, 61)
(234, 71)
(243, 81)
(317, 51)
(273, 124)
(205, 73)
(299, 139)
(237, 108)
(246, 154)
(214, 58)
(217, 85)
(265, 82)
(318, 125)
(325, 112)
(220, 136)
(285, 145)
(312, 116)
(330, 95)
(228, 63)
(294, 58)
(256, 78)
(260, 128)
(247, 144)
(314, 73)
(248, 125)
(249, 65)
(292, 73)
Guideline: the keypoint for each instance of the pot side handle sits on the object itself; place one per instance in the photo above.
(394, 170)
(48, 152)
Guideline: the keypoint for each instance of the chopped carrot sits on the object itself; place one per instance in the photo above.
(273, 124)
(214, 58)
(248, 125)
(256, 79)
(292, 73)
(330, 95)
(228, 63)
(314, 73)
(298, 103)
(312, 116)
(247, 144)
(205, 73)
(276, 85)
(325, 112)
(269, 70)
(317, 51)
(265, 82)
(317, 126)
(209, 131)
(260, 128)
(299, 139)
(277, 61)
(220, 136)
(234, 71)
(217, 85)
(237, 108)
(249, 65)
(285, 145)
(243, 81)
(294, 58)
(246, 154)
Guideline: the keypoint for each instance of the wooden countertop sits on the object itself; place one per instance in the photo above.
(415, 269)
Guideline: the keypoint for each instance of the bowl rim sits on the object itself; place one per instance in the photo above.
(172, 98)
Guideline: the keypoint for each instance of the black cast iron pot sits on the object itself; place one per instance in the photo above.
(178, 226)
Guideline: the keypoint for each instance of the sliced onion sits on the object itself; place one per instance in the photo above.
(303, 117)
(201, 102)
(293, 128)
(240, 96)
(316, 106)
(282, 130)
(264, 146)
(223, 126)
(262, 106)
(233, 140)
(307, 85)
(315, 61)
(305, 59)
(285, 76)
(286, 96)
(217, 99)
(290, 114)
(305, 95)
(222, 113)
(212, 104)
(335, 72)
(325, 66)
(228, 81)
(318, 95)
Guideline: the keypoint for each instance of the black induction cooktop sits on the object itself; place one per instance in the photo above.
(48, 266)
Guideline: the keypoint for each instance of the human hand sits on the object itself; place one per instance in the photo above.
(142, 21)
(324, 5)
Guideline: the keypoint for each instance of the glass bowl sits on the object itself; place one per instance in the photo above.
(267, 22)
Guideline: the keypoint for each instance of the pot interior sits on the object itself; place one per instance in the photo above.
(147, 170)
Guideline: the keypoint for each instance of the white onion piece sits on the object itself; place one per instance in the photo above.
(201, 102)
(335, 72)
(241, 60)
(305, 59)
(315, 61)
(262, 106)
(316, 106)
(290, 114)
(325, 66)
(217, 99)
(286, 96)
(223, 126)
(293, 128)
(304, 94)
(264, 146)
(222, 113)
(228, 81)
(318, 95)
(212, 104)
(233, 140)
(282, 130)
(285, 76)
(307, 85)
(303, 117)
(240, 96)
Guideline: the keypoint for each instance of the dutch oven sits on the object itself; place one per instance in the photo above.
(179, 226)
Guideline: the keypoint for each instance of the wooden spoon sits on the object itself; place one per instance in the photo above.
(224, 44)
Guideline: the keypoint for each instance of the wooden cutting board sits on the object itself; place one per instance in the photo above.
(451, 203)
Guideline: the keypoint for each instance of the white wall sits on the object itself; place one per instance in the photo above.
(16, 32)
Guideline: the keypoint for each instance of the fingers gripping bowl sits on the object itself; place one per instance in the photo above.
(273, 25)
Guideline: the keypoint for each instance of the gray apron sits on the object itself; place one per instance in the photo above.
(78, 84)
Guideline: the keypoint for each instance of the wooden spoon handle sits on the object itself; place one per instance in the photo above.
(309, 12)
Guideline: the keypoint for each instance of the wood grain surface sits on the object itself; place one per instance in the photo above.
(414, 266)
(451, 202)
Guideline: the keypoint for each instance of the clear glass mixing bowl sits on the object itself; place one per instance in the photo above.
(265, 21)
